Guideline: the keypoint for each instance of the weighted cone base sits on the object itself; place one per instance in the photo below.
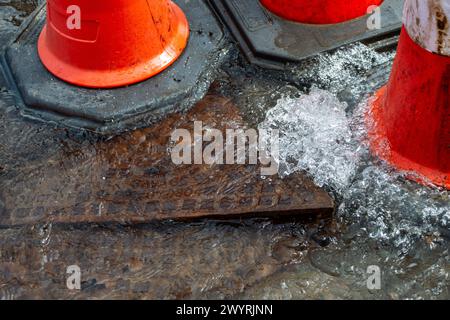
(271, 42)
(43, 96)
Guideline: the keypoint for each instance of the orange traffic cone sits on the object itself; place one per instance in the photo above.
(320, 11)
(111, 43)
(410, 117)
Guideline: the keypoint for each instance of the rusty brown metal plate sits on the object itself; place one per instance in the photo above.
(132, 179)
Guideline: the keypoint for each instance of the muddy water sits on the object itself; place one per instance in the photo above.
(382, 220)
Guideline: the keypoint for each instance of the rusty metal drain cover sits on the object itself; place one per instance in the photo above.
(132, 179)
(271, 42)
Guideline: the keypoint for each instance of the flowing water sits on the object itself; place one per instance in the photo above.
(382, 219)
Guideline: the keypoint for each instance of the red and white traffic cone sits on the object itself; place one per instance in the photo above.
(320, 11)
(410, 117)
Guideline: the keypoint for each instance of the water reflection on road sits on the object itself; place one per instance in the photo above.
(382, 219)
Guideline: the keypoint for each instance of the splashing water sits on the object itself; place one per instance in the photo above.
(345, 69)
(315, 137)
(319, 137)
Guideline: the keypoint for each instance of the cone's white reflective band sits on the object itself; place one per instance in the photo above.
(428, 24)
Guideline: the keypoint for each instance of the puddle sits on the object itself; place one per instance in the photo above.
(132, 178)
(323, 133)
(382, 219)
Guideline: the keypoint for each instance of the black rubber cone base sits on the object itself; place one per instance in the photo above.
(47, 98)
(270, 41)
